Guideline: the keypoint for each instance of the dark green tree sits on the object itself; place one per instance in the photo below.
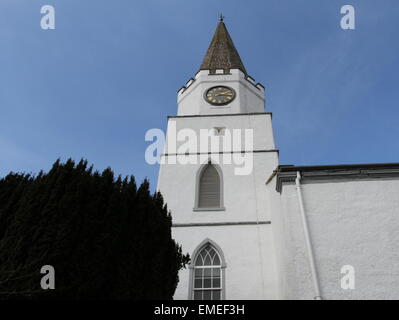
(105, 237)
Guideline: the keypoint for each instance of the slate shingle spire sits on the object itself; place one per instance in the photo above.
(222, 53)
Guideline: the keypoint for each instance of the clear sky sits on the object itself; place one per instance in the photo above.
(111, 69)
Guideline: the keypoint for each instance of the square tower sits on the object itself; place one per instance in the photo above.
(218, 154)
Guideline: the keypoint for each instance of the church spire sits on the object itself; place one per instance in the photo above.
(222, 53)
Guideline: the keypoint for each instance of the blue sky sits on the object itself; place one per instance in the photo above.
(111, 69)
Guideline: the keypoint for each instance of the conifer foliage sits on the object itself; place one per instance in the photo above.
(104, 236)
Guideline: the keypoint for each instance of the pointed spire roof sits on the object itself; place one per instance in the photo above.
(222, 53)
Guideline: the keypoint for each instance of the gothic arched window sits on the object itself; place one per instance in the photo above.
(207, 274)
(209, 188)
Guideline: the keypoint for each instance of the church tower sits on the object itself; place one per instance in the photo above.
(218, 155)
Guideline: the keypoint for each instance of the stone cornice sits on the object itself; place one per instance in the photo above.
(218, 152)
(221, 115)
(215, 224)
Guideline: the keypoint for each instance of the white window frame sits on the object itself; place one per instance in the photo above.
(222, 267)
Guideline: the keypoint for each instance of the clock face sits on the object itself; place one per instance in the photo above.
(220, 95)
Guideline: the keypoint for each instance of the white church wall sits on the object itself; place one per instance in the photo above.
(245, 200)
(278, 219)
(252, 99)
(351, 222)
(260, 123)
(248, 250)
(244, 195)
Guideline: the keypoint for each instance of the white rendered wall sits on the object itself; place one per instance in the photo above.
(245, 196)
(260, 124)
(352, 222)
(248, 249)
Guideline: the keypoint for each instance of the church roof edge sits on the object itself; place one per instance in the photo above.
(287, 173)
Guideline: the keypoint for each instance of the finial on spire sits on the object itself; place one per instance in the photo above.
(221, 18)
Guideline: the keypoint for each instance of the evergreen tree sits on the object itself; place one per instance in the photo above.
(105, 237)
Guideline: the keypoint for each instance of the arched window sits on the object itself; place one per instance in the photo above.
(209, 188)
(207, 274)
